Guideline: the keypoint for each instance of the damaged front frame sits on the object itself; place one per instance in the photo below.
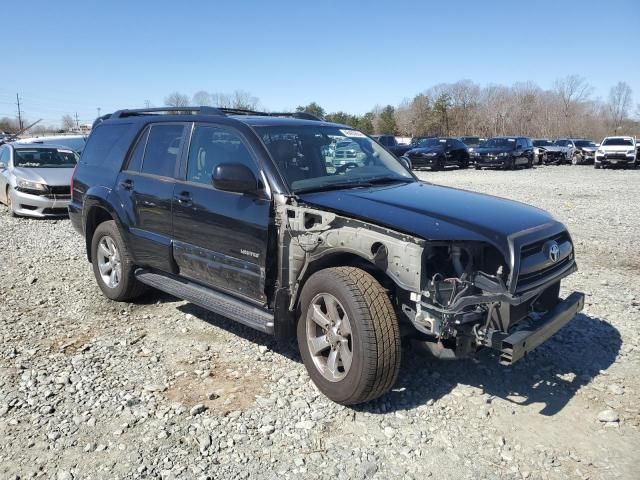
(308, 234)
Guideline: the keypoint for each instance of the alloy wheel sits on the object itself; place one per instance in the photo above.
(329, 337)
(109, 262)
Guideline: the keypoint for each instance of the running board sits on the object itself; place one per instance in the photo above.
(209, 299)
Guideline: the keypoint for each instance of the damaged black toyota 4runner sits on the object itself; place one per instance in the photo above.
(258, 217)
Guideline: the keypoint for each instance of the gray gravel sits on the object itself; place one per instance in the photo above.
(90, 388)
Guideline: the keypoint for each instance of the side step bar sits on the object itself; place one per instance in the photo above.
(209, 299)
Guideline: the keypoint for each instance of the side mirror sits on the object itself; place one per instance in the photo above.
(3, 165)
(406, 162)
(234, 177)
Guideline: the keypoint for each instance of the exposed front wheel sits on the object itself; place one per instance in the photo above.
(576, 159)
(112, 265)
(348, 335)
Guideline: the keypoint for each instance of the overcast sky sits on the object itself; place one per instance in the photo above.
(75, 56)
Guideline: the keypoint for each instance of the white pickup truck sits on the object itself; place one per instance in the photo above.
(618, 151)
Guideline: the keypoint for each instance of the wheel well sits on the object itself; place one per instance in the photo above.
(343, 259)
(95, 217)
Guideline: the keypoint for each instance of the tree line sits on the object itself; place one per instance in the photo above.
(568, 109)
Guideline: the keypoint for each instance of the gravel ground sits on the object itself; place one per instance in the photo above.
(90, 388)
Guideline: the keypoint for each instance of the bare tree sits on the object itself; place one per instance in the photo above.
(202, 98)
(244, 100)
(619, 104)
(176, 99)
(67, 122)
(572, 90)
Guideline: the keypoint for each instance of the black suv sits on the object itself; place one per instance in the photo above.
(504, 152)
(246, 214)
(438, 153)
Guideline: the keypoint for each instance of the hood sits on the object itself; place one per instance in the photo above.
(49, 176)
(492, 150)
(422, 150)
(433, 212)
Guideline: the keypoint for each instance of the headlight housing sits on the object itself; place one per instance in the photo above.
(28, 185)
(631, 152)
(504, 154)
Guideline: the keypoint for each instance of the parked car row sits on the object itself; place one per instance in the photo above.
(510, 152)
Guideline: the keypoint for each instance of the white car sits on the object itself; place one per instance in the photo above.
(619, 151)
(74, 142)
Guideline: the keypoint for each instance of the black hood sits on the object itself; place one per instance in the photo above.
(433, 212)
(492, 150)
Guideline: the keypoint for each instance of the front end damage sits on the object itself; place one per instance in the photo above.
(458, 296)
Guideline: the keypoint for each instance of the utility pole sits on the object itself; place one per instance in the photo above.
(99, 112)
(77, 122)
(147, 103)
(19, 112)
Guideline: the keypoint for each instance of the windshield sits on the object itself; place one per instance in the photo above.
(585, 143)
(500, 143)
(563, 143)
(542, 143)
(471, 141)
(44, 158)
(314, 157)
(430, 142)
(626, 142)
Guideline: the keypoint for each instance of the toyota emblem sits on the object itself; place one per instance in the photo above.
(553, 251)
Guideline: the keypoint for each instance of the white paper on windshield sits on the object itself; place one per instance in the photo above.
(64, 151)
(352, 133)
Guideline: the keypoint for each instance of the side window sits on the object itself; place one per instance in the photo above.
(135, 160)
(162, 149)
(211, 146)
(100, 148)
(520, 144)
(4, 155)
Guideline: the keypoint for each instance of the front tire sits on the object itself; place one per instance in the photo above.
(348, 335)
(112, 264)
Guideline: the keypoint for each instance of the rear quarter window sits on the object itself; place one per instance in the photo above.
(107, 145)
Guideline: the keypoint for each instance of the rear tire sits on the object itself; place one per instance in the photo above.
(367, 354)
(112, 264)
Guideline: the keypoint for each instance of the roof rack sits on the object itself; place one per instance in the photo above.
(242, 111)
(204, 110)
(139, 111)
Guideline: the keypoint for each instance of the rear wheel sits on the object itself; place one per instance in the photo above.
(112, 264)
(576, 159)
(348, 335)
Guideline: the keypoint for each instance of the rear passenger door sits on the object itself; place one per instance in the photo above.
(220, 237)
(145, 189)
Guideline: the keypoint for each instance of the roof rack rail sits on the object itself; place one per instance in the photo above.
(178, 110)
(204, 110)
(242, 111)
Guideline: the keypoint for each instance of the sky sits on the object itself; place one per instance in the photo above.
(77, 56)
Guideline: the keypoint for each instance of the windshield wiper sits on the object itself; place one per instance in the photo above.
(355, 184)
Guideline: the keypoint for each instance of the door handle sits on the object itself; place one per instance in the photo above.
(127, 184)
(183, 198)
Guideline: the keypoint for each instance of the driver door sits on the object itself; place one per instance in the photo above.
(220, 238)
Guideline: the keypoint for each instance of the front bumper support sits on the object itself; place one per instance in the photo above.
(514, 346)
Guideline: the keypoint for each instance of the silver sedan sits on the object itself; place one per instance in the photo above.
(35, 180)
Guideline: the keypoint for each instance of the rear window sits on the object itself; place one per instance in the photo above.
(101, 146)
